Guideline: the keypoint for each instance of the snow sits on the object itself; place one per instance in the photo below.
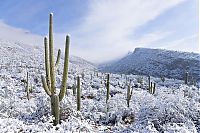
(157, 63)
(173, 108)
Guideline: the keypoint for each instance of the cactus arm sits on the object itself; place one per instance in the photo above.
(58, 59)
(65, 71)
(51, 55)
(47, 62)
(46, 88)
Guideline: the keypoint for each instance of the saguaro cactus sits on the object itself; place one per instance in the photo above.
(27, 87)
(74, 89)
(49, 84)
(129, 94)
(151, 87)
(186, 77)
(108, 88)
(154, 88)
(78, 94)
(149, 79)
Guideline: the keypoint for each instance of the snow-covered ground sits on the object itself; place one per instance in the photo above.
(174, 107)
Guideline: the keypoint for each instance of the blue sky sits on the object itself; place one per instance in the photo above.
(33, 14)
(102, 30)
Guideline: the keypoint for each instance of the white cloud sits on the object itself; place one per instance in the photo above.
(16, 34)
(148, 39)
(11, 33)
(188, 44)
(106, 31)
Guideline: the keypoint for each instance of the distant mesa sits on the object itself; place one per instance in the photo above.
(157, 62)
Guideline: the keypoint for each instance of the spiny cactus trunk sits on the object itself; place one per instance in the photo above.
(186, 77)
(55, 108)
(78, 94)
(128, 95)
(151, 87)
(108, 88)
(27, 87)
(149, 79)
(91, 76)
(154, 88)
(74, 89)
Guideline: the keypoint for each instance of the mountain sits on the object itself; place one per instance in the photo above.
(81, 62)
(18, 53)
(157, 62)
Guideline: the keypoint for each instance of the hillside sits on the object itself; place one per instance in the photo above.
(174, 107)
(18, 53)
(157, 63)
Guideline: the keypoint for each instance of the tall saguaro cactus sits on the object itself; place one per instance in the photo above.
(154, 88)
(186, 77)
(129, 94)
(78, 94)
(108, 88)
(149, 80)
(49, 83)
(27, 87)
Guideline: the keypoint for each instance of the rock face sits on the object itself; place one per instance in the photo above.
(157, 62)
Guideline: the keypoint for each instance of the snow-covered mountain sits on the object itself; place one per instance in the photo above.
(20, 53)
(81, 62)
(157, 63)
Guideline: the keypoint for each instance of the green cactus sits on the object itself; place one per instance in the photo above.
(27, 87)
(154, 88)
(49, 84)
(91, 76)
(47, 65)
(149, 79)
(58, 59)
(162, 78)
(74, 89)
(97, 74)
(55, 108)
(108, 88)
(129, 94)
(31, 88)
(151, 87)
(186, 77)
(78, 94)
